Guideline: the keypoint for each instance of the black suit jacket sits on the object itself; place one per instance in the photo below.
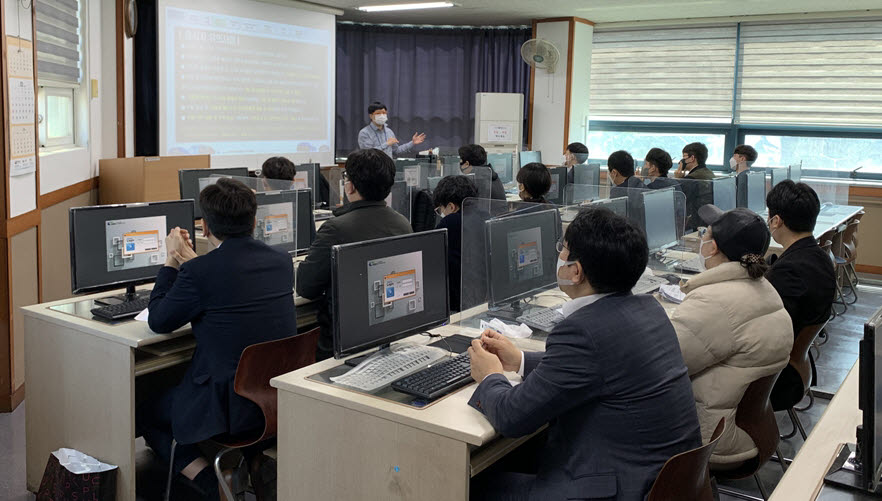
(356, 222)
(615, 392)
(698, 192)
(235, 296)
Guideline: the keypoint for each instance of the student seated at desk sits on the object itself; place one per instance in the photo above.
(368, 178)
(448, 197)
(742, 159)
(803, 274)
(534, 181)
(657, 164)
(611, 384)
(576, 153)
(234, 297)
(284, 169)
(621, 174)
(732, 327)
(700, 191)
(474, 155)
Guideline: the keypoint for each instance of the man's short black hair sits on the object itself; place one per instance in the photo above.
(747, 151)
(698, 150)
(612, 251)
(376, 105)
(453, 190)
(622, 161)
(474, 154)
(228, 208)
(660, 159)
(371, 172)
(577, 148)
(796, 204)
(536, 179)
(278, 168)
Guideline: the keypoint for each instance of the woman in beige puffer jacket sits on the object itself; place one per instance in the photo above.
(732, 326)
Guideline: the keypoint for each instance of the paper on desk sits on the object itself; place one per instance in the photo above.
(142, 317)
(78, 463)
(672, 293)
(509, 330)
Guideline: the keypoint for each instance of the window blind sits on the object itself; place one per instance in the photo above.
(664, 75)
(813, 73)
(58, 40)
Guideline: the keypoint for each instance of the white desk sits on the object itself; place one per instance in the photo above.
(830, 217)
(83, 380)
(339, 444)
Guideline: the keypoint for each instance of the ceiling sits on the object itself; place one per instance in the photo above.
(501, 12)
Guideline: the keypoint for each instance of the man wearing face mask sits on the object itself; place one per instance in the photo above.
(377, 135)
(448, 197)
(740, 163)
(474, 155)
(575, 154)
(620, 166)
(803, 274)
(368, 178)
(657, 163)
(697, 187)
(732, 327)
(611, 384)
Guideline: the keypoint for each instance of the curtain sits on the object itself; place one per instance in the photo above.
(146, 81)
(427, 77)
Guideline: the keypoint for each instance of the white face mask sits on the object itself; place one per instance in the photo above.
(561, 264)
(702, 259)
(564, 160)
(733, 163)
(380, 119)
(609, 179)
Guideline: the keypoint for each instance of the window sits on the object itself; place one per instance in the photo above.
(59, 70)
(603, 143)
(842, 154)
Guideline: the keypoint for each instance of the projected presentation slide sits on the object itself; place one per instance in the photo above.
(275, 223)
(525, 254)
(395, 286)
(135, 243)
(239, 85)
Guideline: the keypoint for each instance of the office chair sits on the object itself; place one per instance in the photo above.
(686, 475)
(799, 360)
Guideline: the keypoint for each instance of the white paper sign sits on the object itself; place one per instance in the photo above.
(499, 133)
(21, 101)
(22, 166)
(412, 176)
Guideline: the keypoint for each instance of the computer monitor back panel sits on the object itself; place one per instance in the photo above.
(724, 193)
(285, 220)
(188, 182)
(527, 157)
(502, 164)
(588, 174)
(522, 255)
(313, 173)
(558, 183)
(384, 290)
(660, 218)
(756, 191)
(399, 198)
(114, 246)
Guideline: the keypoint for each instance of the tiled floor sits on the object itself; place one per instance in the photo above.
(837, 357)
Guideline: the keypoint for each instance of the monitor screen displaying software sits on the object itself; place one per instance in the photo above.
(522, 254)
(386, 289)
(116, 245)
(283, 216)
(190, 184)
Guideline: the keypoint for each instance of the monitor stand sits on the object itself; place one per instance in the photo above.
(130, 295)
(510, 312)
(847, 471)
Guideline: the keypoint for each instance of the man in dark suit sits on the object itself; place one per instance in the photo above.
(612, 384)
(620, 166)
(235, 296)
(699, 191)
(803, 274)
(368, 178)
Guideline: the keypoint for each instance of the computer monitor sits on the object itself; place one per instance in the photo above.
(756, 191)
(387, 289)
(113, 246)
(618, 206)
(724, 192)
(558, 183)
(522, 255)
(502, 164)
(313, 174)
(399, 199)
(527, 157)
(282, 213)
(188, 182)
(587, 174)
(660, 217)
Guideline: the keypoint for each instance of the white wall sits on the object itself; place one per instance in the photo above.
(581, 83)
(62, 168)
(550, 95)
(22, 189)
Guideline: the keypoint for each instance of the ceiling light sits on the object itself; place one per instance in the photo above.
(405, 6)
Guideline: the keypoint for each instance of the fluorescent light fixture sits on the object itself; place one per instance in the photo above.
(404, 6)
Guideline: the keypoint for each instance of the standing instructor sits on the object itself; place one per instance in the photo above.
(377, 135)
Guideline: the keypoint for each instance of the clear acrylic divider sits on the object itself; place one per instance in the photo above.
(508, 260)
(400, 199)
(503, 164)
(483, 180)
(832, 192)
(280, 215)
(701, 192)
(334, 177)
(257, 184)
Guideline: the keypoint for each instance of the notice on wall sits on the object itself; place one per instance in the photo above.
(500, 133)
(22, 166)
(20, 57)
(21, 101)
(22, 142)
(22, 107)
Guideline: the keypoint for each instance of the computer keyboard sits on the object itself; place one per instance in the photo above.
(647, 284)
(543, 319)
(123, 310)
(437, 380)
(381, 371)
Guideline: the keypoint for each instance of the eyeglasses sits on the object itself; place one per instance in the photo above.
(560, 246)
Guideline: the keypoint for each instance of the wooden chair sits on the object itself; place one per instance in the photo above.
(754, 415)
(799, 360)
(686, 476)
(257, 365)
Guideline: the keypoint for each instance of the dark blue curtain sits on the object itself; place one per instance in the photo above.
(427, 77)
